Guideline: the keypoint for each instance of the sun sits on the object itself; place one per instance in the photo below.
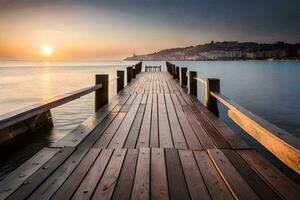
(47, 50)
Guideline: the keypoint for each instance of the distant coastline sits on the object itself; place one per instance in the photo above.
(231, 50)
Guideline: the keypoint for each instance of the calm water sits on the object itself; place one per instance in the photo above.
(269, 89)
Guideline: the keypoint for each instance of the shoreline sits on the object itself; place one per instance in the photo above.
(269, 59)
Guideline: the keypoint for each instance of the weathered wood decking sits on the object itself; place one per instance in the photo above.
(151, 141)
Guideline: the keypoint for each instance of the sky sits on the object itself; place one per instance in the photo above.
(115, 29)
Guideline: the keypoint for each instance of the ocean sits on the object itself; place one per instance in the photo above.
(269, 89)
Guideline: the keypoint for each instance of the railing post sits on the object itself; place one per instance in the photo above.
(174, 71)
(177, 72)
(192, 83)
(212, 84)
(183, 79)
(136, 69)
(101, 95)
(120, 81)
(134, 72)
(129, 74)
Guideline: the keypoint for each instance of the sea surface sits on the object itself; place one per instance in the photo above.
(270, 89)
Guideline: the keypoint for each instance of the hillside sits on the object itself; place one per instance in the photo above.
(226, 51)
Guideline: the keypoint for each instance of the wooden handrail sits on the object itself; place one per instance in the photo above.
(282, 144)
(14, 117)
(204, 81)
(114, 79)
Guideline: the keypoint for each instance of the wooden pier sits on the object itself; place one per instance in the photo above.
(153, 141)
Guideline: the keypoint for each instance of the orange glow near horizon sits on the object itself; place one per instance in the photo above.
(47, 50)
(79, 32)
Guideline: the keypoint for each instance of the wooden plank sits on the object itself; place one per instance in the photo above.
(177, 185)
(121, 134)
(154, 123)
(144, 99)
(14, 180)
(89, 141)
(219, 141)
(77, 135)
(107, 184)
(40, 175)
(178, 137)
(193, 176)
(108, 134)
(180, 98)
(199, 131)
(141, 186)
(238, 186)
(190, 136)
(155, 85)
(183, 94)
(82, 131)
(159, 182)
(125, 108)
(271, 175)
(165, 138)
(117, 108)
(144, 137)
(126, 178)
(235, 141)
(249, 175)
(52, 183)
(135, 129)
(214, 182)
(131, 99)
(89, 183)
(165, 87)
(70, 185)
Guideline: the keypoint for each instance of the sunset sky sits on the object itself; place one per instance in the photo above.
(115, 29)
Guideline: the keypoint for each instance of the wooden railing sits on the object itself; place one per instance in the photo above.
(38, 116)
(279, 142)
(30, 111)
(153, 68)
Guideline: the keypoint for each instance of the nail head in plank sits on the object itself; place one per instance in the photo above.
(41, 174)
(71, 184)
(14, 180)
(57, 178)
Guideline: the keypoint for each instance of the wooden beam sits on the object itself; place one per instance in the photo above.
(282, 144)
(101, 95)
(134, 72)
(192, 83)
(33, 110)
(212, 84)
(120, 81)
(129, 74)
(177, 72)
(183, 79)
